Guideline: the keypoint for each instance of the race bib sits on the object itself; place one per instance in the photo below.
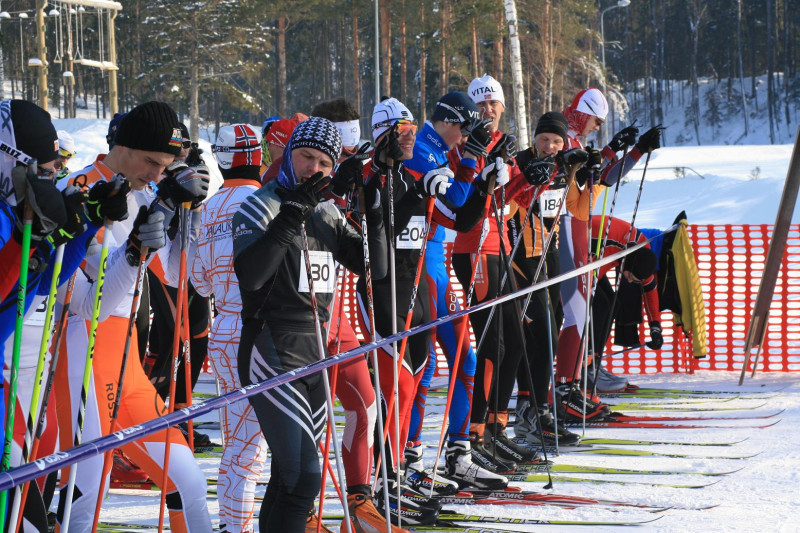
(549, 202)
(37, 317)
(323, 272)
(412, 235)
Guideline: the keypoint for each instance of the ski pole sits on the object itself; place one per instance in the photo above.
(334, 382)
(550, 322)
(546, 246)
(362, 210)
(601, 245)
(398, 356)
(504, 261)
(513, 253)
(176, 345)
(40, 423)
(5, 462)
(187, 368)
(417, 276)
(33, 412)
(120, 382)
(630, 234)
(601, 242)
(465, 324)
(325, 381)
(87, 371)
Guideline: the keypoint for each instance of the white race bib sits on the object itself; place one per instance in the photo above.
(412, 235)
(323, 272)
(549, 202)
(37, 317)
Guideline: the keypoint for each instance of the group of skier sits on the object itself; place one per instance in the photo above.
(266, 255)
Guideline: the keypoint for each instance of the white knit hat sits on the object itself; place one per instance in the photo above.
(384, 115)
(65, 143)
(485, 89)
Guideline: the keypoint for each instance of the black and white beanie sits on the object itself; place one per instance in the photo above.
(319, 133)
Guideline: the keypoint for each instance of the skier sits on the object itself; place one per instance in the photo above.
(58, 218)
(163, 294)
(147, 140)
(543, 312)
(454, 115)
(500, 353)
(585, 115)
(637, 284)
(278, 332)
(238, 155)
(353, 386)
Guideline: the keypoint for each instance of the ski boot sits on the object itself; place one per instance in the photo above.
(421, 480)
(364, 517)
(460, 467)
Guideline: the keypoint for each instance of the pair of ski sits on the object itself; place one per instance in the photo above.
(445, 524)
(675, 422)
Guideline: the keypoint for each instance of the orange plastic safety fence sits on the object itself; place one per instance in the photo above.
(730, 260)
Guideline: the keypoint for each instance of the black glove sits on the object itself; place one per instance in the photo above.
(74, 198)
(183, 183)
(595, 160)
(506, 148)
(194, 159)
(108, 200)
(478, 137)
(567, 158)
(349, 171)
(388, 148)
(299, 204)
(582, 176)
(538, 173)
(148, 231)
(650, 140)
(40, 194)
(623, 138)
(656, 339)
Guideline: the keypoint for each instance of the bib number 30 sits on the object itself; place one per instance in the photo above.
(323, 272)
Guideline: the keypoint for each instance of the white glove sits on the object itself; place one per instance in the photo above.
(435, 182)
(502, 172)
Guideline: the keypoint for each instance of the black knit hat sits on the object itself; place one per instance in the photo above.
(112, 129)
(152, 127)
(34, 133)
(455, 107)
(184, 131)
(552, 122)
(641, 263)
(319, 133)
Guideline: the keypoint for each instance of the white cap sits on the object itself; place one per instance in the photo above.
(592, 102)
(485, 89)
(65, 142)
(384, 115)
(237, 145)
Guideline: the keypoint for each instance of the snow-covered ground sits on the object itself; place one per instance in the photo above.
(760, 494)
(723, 186)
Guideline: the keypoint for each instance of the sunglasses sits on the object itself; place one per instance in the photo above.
(187, 144)
(44, 172)
(403, 126)
(66, 154)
